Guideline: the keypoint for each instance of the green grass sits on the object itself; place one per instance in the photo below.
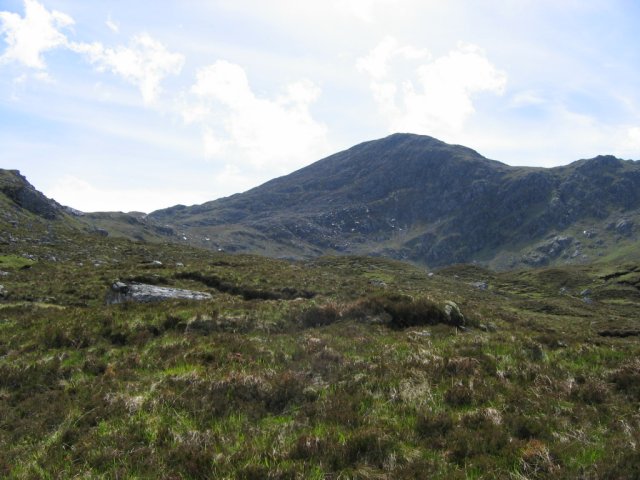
(14, 262)
(326, 385)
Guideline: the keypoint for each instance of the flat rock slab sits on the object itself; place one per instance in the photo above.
(142, 293)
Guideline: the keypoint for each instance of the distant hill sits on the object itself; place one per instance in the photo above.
(416, 198)
(407, 197)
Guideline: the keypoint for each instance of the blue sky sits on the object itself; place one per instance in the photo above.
(120, 105)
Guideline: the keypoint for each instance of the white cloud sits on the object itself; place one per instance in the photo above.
(274, 134)
(376, 63)
(634, 137)
(30, 36)
(113, 26)
(435, 97)
(144, 63)
(526, 98)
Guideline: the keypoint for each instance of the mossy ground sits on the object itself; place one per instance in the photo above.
(314, 386)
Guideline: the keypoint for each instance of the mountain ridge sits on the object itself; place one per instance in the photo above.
(414, 198)
(408, 197)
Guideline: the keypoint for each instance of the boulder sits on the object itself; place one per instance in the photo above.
(143, 293)
(3, 291)
(453, 314)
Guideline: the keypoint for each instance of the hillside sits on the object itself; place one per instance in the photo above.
(333, 367)
(415, 198)
(406, 197)
(338, 367)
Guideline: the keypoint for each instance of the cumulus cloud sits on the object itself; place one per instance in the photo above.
(434, 96)
(28, 37)
(634, 137)
(276, 133)
(145, 62)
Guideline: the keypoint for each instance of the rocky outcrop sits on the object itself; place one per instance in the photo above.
(22, 193)
(143, 293)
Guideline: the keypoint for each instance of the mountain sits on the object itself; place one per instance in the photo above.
(406, 197)
(416, 198)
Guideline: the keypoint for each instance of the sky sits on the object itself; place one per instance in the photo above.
(139, 105)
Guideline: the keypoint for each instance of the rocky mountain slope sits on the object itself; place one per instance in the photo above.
(416, 198)
(406, 197)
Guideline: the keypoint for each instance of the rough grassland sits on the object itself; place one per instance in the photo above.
(338, 368)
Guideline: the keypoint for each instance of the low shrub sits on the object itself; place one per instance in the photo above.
(403, 311)
(319, 316)
(434, 425)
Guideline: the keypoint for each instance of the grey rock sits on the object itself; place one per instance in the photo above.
(3, 291)
(377, 283)
(4, 274)
(624, 227)
(547, 251)
(142, 293)
(480, 285)
(453, 313)
(587, 300)
(120, 287)
(586, 292)
(22, 193)
(179, 264)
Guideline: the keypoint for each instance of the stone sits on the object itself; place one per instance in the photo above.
(4, 274)
(586, 292)
(624, 227)
(453, 314)
(480, 285)
(142, 293)
(377, 283)
(3, 291)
